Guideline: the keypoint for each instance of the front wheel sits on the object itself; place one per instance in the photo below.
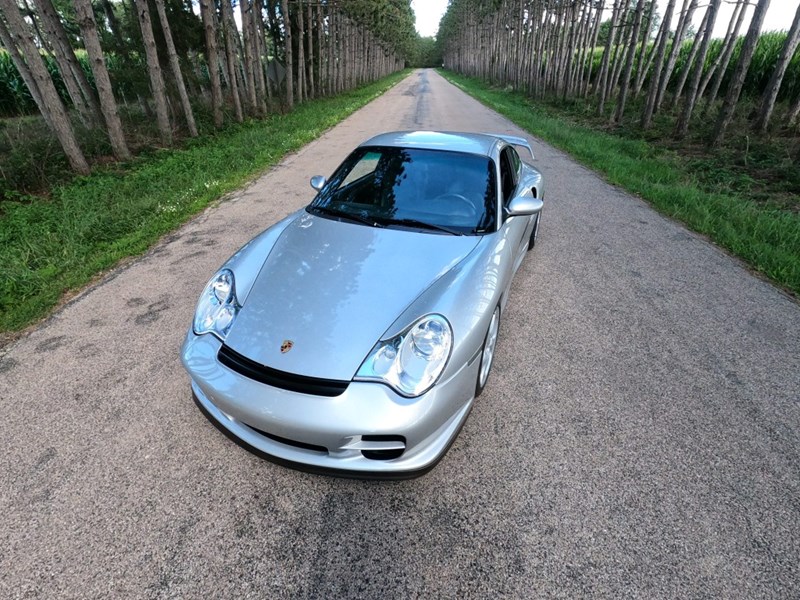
(487, 353)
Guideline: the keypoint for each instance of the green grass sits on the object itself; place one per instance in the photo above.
(765, 237)
(49, 246)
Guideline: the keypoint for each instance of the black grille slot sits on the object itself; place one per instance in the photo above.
(288, 442)
(280, 379)
(383, 454)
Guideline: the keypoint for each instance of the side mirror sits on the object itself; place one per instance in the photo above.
(318, 182)
(523, 206)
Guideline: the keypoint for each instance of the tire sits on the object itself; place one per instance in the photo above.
(535, 232)
(488, 351)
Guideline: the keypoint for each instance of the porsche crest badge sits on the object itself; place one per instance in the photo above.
(286, 346)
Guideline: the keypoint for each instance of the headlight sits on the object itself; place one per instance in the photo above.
(218, 307)
(411, 362)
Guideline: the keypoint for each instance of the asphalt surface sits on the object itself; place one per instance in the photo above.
(639, 436)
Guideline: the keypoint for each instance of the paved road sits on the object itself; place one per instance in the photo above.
(640, 436)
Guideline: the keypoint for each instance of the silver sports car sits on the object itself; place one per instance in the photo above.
(353, 336)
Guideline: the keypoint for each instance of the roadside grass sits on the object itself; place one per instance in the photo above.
(765, 236)
(49, 246)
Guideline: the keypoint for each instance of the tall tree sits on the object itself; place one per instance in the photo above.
(108, 104)
(737, 81)
(175, 66)
(154, 72)
(690, 61)
(600, 85)
(51, 106)
(251, 59)
(717, 68)
(626, 77)
(287, 24)
(21, 65)
(691, 97)
(229, 28)
(687, 11)
(207, 13)
(661, 50)
(725, 59)
(310, 36)
(78, 88)
(774, 86)
(300, 88)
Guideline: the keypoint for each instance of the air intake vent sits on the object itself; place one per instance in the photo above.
(398, 441)
(280, 379)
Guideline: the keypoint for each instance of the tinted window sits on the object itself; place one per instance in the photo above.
(508, 176)
(402, 187)
(516, 163)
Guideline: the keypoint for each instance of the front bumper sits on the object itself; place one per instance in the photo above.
(324, 434)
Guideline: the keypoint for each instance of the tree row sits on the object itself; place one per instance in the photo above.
(241, 59)
(550, 48)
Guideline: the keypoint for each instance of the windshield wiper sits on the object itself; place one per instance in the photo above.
(421, 225)
(346, 215)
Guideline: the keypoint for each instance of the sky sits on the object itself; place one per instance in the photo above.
(779, 16)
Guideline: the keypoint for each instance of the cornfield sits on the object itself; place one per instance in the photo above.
(761, 67)
(129, 77)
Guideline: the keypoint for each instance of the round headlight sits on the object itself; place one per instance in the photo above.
(413, 361)
(217, 307)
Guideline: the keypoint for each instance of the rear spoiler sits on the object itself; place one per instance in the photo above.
(516, 141)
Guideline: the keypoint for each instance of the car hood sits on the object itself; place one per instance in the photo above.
(333, 289)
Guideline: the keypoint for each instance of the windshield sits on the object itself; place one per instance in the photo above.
(436, 190)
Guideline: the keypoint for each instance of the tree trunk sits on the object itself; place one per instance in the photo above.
(626, 76)
(774, 85)
(154, 71)
(735, 88)
(229, 28)
(72, 75)
(600, 85)
(321, 53)
(249, 61)
(640, 65)
(721, 62)
(301, 58)
(698, 40)
(175, 65)
(259, 45)
(22, 67)
(619, 54)
(310, 33)
(691, 98)
(287, 28)
(661, 50)
(51, 106)
(207, 13)
(666, 74)
(113, 23)
(590, 53)
(720, 74)
(108, 104)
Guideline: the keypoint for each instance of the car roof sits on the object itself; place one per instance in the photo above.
(471, 143)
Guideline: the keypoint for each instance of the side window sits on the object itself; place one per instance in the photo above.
(516, 163)
(508, 174)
